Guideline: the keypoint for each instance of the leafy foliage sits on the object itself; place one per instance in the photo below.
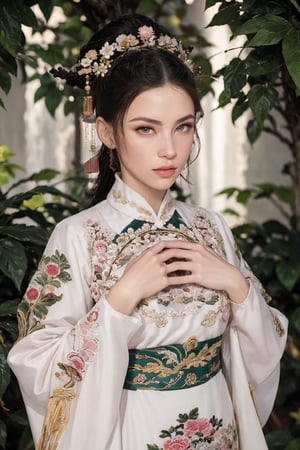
(263, 80)
(272, 250)
(25, 225)
(269, 59)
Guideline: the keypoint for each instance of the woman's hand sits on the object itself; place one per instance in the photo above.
(156, 268)
(205, 268)
(145, 275)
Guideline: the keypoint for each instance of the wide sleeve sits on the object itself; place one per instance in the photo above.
(257, 330)
(71, 349)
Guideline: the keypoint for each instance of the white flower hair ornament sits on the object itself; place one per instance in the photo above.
(97, 63)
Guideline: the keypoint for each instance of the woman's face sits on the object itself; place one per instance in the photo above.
(155, 141)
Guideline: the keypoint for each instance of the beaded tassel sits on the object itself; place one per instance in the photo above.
(89, 132)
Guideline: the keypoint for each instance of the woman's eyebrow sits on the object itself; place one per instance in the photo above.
(158, 122)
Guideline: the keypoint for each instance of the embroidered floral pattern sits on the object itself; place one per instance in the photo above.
(43, 292)
(199, 433)
(142, 212)
(85, 346)
(110, 254)
(278, 326)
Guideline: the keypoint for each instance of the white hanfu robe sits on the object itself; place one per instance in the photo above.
(73, 342)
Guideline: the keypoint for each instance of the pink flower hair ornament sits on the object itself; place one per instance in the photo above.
(97, 63)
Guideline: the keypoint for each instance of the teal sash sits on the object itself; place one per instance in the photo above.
(173, 367)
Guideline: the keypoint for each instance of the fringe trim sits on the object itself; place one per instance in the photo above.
(56, 418)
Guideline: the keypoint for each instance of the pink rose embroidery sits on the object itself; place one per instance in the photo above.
(32, 294)
(90, 344)
(176, 443)
(203, 426)
(77, 361)
(100, 245)
(52, 269)
(201, 433)
(93, 316)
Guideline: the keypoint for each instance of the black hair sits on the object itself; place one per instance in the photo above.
(131, 73)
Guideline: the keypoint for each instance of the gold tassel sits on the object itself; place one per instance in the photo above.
(56, 418)
(87, 107)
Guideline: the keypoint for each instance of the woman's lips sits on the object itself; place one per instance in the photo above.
(165, 172)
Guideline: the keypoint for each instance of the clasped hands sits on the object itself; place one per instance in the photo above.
(172, 263)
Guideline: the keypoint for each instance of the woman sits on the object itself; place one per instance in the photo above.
(122, 326)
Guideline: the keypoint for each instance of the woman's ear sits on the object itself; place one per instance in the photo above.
(105, 133)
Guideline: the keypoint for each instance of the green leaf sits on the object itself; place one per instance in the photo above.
(5, 81)
(291, 54)
(8, 62)
(16, 200)
(295, 319)
(278, 438)
(10, 327)
(234, 77)
(35, 202)
(19, 417)
(146, 7)
(52, 100)
(272, 24)
(229, 192)
(210, 3)
(253, 130)
(264, 37)
(4, 371)
(10, 28)
(52, 55)
(239, 108)
(224, 98)
(294, 444)
(261, 101)
(41, 92)
(227, 15)
(9, 308)
(285, 194)
(69, 107)
(25, 233)
(288, 274)
(46, 7)
(263, 63)
(44, 175)
(243, 196)
(28, 18)
(296, 4)
(13, 261)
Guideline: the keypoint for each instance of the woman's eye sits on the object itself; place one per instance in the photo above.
(145, 130)
(185, 127)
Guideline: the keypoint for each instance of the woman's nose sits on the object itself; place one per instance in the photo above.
(167, 147)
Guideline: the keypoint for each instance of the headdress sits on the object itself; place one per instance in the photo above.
(97, 63)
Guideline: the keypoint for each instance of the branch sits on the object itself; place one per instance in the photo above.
(280, 208)
(276, 133)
